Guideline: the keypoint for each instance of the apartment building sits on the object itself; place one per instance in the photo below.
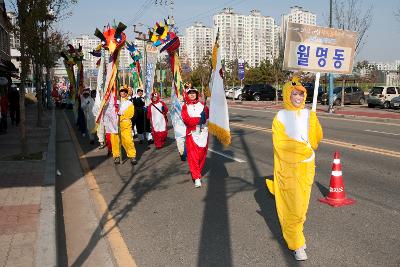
(297, 15)
(196, 43)
(250, 37)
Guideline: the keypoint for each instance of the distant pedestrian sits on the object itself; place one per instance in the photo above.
(195, 116)
(296, 133)
(55, 96)
(13, 98)
(4, 112)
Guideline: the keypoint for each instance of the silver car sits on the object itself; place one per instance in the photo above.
(395, 102)
(235, 93)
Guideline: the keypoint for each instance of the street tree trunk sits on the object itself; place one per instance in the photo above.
(39, 94)
(22, 13)
(22, 125)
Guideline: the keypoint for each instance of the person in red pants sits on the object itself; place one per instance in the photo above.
(195, 116)
(157, 114)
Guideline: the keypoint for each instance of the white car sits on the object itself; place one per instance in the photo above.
(234, 93)
(382, 95)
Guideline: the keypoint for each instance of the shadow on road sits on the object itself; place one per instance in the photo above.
(133, 180)
(265, 201)
(215, 244)
(322, 188)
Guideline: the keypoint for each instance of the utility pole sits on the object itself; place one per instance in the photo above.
(330, 109)
(142, 37)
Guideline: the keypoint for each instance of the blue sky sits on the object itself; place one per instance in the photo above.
(382, 40)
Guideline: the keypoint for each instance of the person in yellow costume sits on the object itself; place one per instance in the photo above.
(125, 113)
(296, 133)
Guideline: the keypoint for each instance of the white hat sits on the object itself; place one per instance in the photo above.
(191, 89)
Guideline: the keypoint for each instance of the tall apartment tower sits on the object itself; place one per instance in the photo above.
(297, 15)
(251, 37)
(198, 41)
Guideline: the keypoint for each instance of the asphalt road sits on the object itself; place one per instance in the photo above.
(231, 220)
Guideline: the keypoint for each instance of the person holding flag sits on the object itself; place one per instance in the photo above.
(296, 133)
(125, 113)
(195, 115)
(157, 114)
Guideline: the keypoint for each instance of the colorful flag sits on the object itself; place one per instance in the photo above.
(218, 123)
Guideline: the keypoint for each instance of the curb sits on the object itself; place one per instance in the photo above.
(46, 243)
(367, 118)
(324, 114)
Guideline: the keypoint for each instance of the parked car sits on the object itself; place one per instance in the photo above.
(382, 95)
(258, 92)
(310, 92)
(352, 95)
(395, 102)
(234, 93)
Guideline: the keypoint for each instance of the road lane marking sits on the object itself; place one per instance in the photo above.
(372, 131)
(326, 117)
(118, 246)
(227, 156)
(370, 149)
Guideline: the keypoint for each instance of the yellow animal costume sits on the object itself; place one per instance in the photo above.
(126, 113)
(296, 133)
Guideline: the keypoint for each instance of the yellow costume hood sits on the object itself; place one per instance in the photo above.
(287, 91)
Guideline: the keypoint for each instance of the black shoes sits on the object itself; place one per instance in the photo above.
(133, 161)
(117, 161)
(151, 141)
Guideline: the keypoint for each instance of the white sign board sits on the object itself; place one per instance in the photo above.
(317, 49)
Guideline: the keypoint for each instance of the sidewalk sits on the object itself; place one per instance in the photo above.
(21, 195)
(82, 233)
(346, 111)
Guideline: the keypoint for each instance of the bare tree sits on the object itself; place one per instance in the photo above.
(33, 21)
(354, 16)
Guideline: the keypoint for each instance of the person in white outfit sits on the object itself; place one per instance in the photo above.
(87, 103)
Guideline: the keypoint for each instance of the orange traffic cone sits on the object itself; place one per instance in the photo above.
(337, 196)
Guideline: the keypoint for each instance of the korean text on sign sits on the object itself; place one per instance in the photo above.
(325, 58)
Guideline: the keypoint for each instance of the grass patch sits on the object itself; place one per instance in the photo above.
(20, 157)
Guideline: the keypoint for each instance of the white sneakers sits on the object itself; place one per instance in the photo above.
(197, 183)
(300, 254)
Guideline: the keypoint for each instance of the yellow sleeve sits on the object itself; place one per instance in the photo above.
(288, 149)
(315, 131)
(128, 113)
